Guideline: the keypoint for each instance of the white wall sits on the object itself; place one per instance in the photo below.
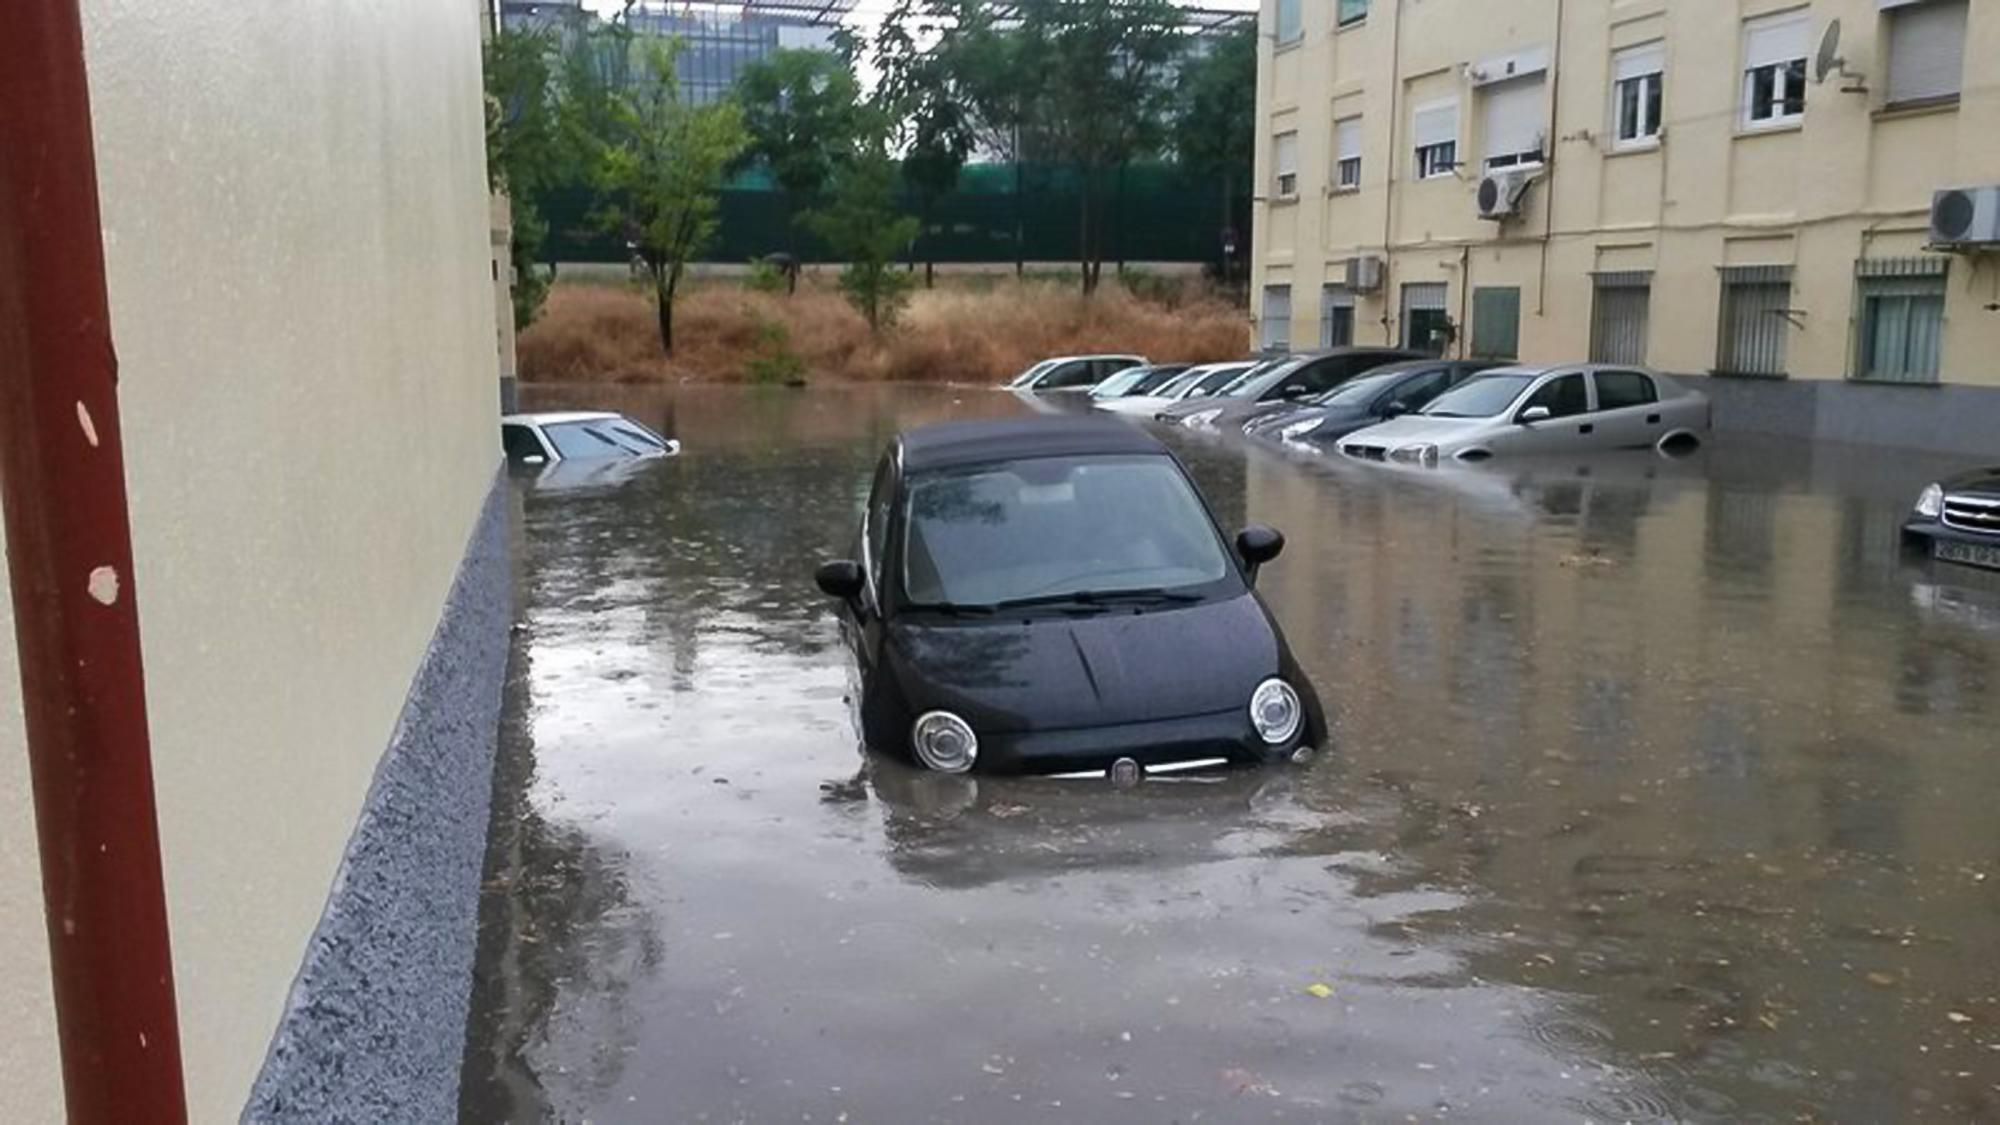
(295, 223)
(30, 1072)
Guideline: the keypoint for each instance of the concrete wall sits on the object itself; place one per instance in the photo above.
(30, 1072)
(1853, 181)
(296, 228)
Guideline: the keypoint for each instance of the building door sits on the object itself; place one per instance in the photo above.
(1619, 316)
(1336, 316)
(1426, 321)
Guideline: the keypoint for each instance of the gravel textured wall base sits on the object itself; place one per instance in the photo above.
(374, 1029)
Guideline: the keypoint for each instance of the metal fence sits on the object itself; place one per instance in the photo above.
(1147, 213)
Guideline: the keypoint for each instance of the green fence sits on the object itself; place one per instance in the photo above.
(1148, 213)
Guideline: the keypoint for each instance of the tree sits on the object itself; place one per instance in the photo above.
(662, 176)
(862, 228)
(935, 131)
(523, 150)
(804, 116)
(1214, 124)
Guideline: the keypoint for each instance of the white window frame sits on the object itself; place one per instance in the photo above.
(1285, 164)
(1347, 157)
(1782, 70)
(1350, 21)
(1436, 159)
(1644, 70)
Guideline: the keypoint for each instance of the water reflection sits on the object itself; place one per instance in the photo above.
(1662, 791)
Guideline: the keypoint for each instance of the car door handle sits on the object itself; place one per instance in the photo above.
(1652, 419)
(1586, 428)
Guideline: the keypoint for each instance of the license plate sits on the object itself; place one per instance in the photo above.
(1971, 554)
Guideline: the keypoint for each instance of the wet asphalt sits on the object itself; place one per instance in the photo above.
(1661, 790)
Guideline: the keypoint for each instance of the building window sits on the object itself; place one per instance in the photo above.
(1336, 316)
(1756, 301)
(1435, 129)
(1426, 321)
(1496, 322)
(1290, 23)
(1277, 322)
(1347, 154)
(1285, 164)
(1774, 69)
(1351, 12)
(1638, 84)
(1619, 316)
(1512, 118)
(1926, 51)
(1899, 319)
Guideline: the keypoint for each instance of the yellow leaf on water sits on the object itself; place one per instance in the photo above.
(1320, 989)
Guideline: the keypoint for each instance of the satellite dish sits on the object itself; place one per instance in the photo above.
(1829, 59)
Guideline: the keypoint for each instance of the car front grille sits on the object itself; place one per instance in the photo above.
(1366, 452)
(1973, 513)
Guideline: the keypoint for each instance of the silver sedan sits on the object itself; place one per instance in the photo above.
(1526, 410)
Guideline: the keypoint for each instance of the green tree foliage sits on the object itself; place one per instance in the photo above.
(804, 116)
(662, 174)
(1215, 113)
(862, 228)
(523, 150)
(936, 132)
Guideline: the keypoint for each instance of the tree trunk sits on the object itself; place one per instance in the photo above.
(929, 280)
(664, 282)
(1020, 249)
(1083, 227)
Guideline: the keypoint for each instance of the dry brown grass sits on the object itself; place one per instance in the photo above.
(606, 333)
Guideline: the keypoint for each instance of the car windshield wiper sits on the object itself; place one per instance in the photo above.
(1154, 595)
(955, 609)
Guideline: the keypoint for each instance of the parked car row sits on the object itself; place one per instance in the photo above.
(1389, 404)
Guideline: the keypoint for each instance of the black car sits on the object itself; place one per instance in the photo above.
(1958, 519)
(1381, 394)
(1277, 384)
(1052, 595)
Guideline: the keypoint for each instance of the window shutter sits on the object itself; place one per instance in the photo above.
(1926, 50)
(1285, 154)
(1513, 117)
(1636, 62)
(1775, 39)
(1496, 322)
(1277, 317)
(1347, 139)
(1435, 124)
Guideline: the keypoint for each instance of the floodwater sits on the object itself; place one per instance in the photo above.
(1660, 790)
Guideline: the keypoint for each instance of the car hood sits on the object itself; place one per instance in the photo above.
(1985, 481)
(1062, 672)
(1423, 429)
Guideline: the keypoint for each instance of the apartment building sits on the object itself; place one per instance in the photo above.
(1741, 189)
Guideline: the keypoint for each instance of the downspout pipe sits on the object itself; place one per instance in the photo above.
(69, 544)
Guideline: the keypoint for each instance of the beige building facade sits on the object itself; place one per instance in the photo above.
(1667, 183)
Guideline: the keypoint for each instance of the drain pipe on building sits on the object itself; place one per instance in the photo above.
(62, 480)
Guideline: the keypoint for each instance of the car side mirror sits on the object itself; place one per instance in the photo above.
(1534, 414)
(840, 579)
(1259, 544)
(1296, 390)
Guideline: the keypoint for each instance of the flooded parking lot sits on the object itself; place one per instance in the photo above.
(1659, 790)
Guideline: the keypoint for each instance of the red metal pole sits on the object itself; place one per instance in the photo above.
(69, 546)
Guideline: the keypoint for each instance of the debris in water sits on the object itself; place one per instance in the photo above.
(1320, 989)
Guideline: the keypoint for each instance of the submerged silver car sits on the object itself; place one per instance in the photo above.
(1527, 410)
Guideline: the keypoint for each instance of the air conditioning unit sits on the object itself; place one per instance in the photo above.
(1501, 193)
(1364, 275)
(1966, 216)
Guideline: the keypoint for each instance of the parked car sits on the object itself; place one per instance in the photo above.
(544, 439)
(1141, 380)
(1073, 372)
(1381, 394)
(1053, 595)
(1279, 382)
(1205, 379)
(1958, 519)
(1517, 410)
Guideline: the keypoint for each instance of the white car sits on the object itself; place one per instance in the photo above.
(1206, 379)
(1073, 372)
(1527, 410)
(583, 435)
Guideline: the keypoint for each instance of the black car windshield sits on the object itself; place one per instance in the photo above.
(608, 437)
(1358, 391)
(1216, 382)
(1047, 528)
(1263, 377)
(1481, 396)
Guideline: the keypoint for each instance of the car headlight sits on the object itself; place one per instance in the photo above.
(1275, 711)
(1415, 454)
(944, 742)
(1930, 502)
(1297, 430)
(1202, 419)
